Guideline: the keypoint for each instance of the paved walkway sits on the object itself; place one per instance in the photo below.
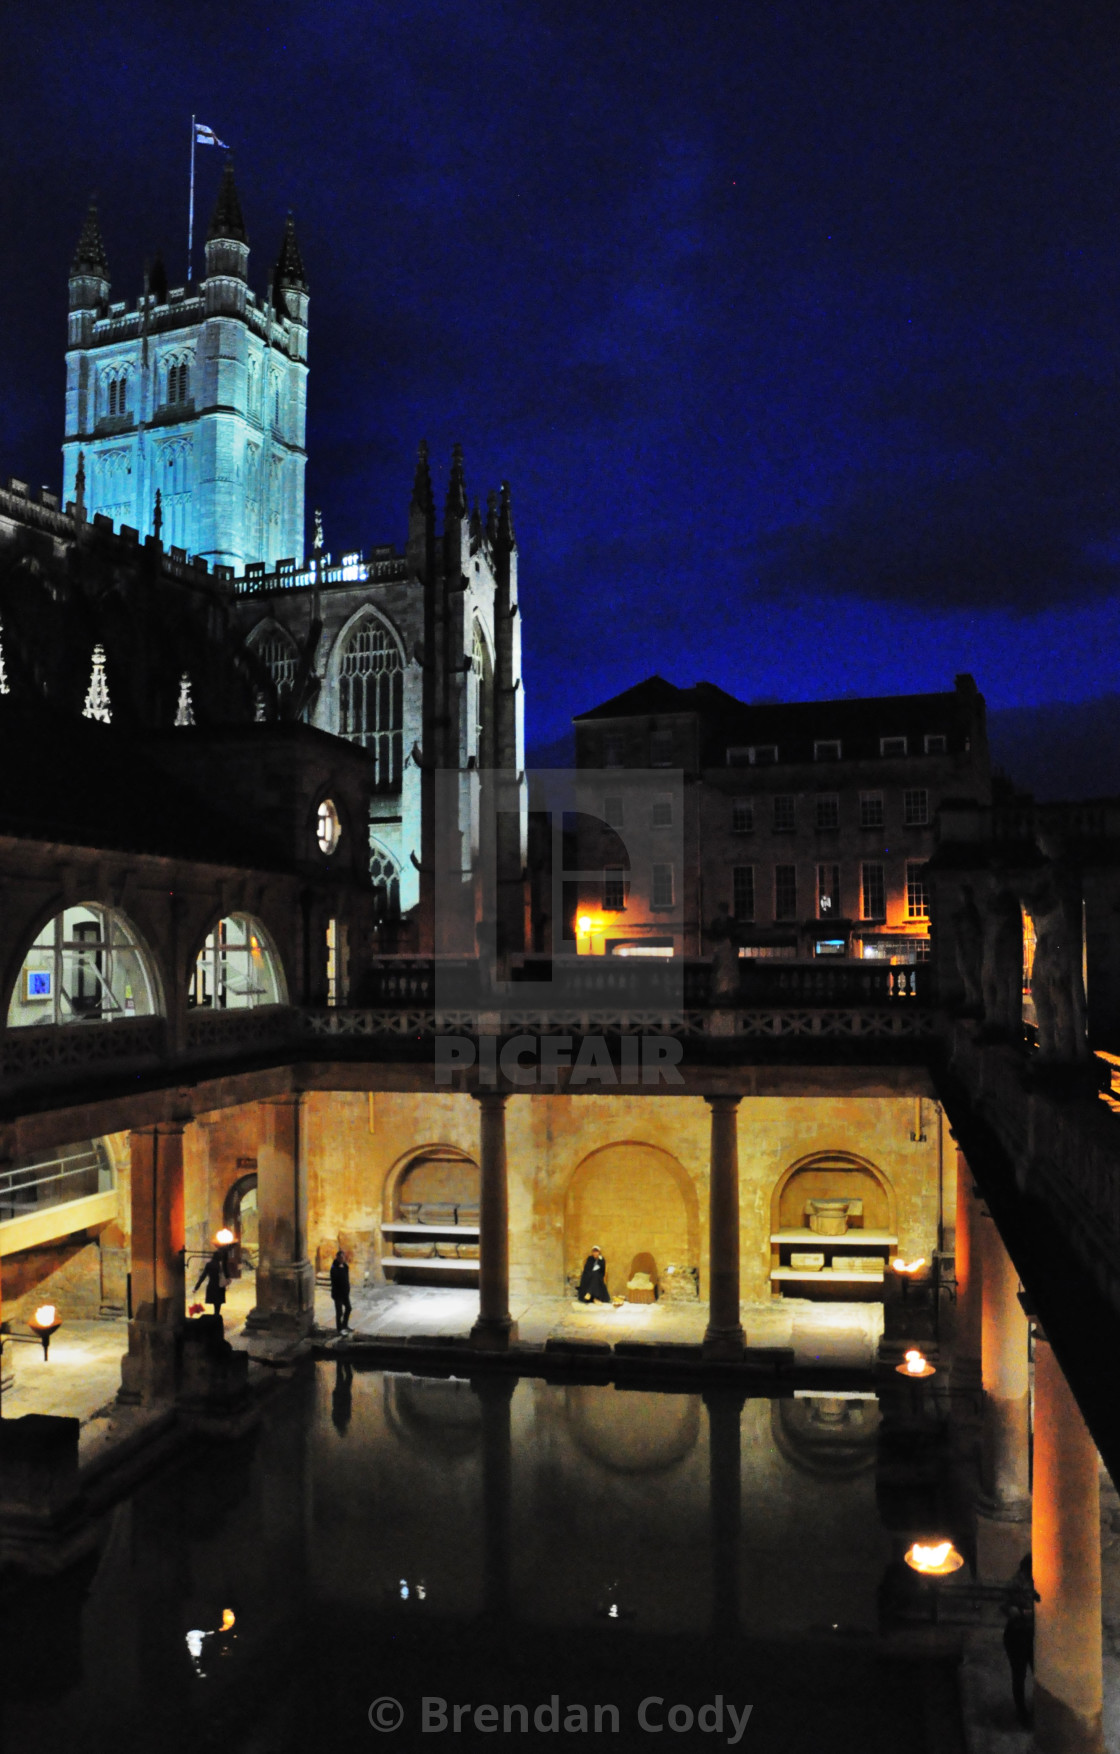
(83, 1373)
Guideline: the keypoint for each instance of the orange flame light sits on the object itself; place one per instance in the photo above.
(933, 1559)
(229, 1619)
(224, 1238)
(46, 1315)
(916, 1365)
(901, 1266)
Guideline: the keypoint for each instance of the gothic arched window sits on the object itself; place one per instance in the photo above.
(277, 650)
(370, 687)
(384, 875)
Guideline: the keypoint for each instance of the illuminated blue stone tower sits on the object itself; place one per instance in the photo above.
(198, 395)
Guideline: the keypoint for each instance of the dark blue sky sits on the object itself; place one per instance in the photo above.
(795, 327)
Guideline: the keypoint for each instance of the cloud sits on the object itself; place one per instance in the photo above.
(1000, 496)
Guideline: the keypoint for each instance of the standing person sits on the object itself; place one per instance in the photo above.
(1018, 1636)
(340, 1292)
(593, 1283)
(216, 1275)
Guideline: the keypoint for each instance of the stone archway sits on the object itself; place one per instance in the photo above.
(639, 1205)
(834, 1175)
(239, 1211)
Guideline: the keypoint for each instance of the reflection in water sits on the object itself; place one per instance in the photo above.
(497, 1540)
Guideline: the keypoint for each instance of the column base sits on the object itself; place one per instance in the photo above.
(151, 1368)
(493, 1334)
(1058, 1729)
(723, 1343)
(285, 1300)
(1000, 1510)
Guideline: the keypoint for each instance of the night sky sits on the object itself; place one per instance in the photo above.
(794, 327)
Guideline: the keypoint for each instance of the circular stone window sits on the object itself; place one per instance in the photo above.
(328, 827)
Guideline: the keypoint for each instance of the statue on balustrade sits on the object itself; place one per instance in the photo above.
(968, 945)
(1057, 986)
(725, 957)
(1001, 967)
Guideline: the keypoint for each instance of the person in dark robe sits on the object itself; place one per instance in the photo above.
(1018, 1636)
(216, 1275)
(340, 1292)
(593, 1281)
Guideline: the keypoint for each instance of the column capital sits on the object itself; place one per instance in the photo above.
(491, 1098)
(724, 1100)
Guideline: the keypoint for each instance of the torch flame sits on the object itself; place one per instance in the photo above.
(46, 1315)
(224, 1238)
(229, 1618)
(934, 1558)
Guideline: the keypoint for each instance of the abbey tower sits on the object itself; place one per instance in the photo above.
(197, 395)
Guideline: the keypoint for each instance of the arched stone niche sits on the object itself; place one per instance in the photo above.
(431, 1176)
(639, 1205)
(834, 1175)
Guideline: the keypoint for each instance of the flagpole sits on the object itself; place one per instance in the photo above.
(190, 222)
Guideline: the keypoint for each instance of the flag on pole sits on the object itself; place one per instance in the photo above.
(205, 136)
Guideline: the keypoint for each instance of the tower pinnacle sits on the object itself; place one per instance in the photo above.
(227, 221)
(90, 257)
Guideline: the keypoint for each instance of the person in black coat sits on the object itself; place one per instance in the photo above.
(340, 1292)
(216, 1275)
(593, 1282)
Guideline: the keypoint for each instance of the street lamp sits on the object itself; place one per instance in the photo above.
(43, 1324)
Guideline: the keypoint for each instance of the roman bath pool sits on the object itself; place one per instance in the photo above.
(394, 1562)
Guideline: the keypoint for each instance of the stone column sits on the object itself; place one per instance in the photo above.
(725, 1414)
(724, 1336)
(1066, 1552)
(285, 1276)
(494, 1327)
(150, 1368)
(1005, 1446)
(966, 1377)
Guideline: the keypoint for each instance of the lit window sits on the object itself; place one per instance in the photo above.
(764, 754)
(874, 893)
(739, 757)
(828, 810)
(917, 896)
(937, 743)
(332, 962)
(828, 750)
(328, 827)
(742, 816)
(892, 746)
(828, 891)
(236, 969)
(785, 892)
(614, 811)
(614, 889)
(661, 749)
(785, 818)
(871, 809)
(662, 895)
(370, 687)
(663, 813)
(85, 966)
(742, 892)
(915, 807)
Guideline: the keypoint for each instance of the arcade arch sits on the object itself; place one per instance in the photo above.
(639, 1205)
(87, 965)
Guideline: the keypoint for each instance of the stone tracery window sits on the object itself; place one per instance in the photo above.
(277, 651)
(237, 969)
(86, 966)
(384, 875)
(370, 686)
